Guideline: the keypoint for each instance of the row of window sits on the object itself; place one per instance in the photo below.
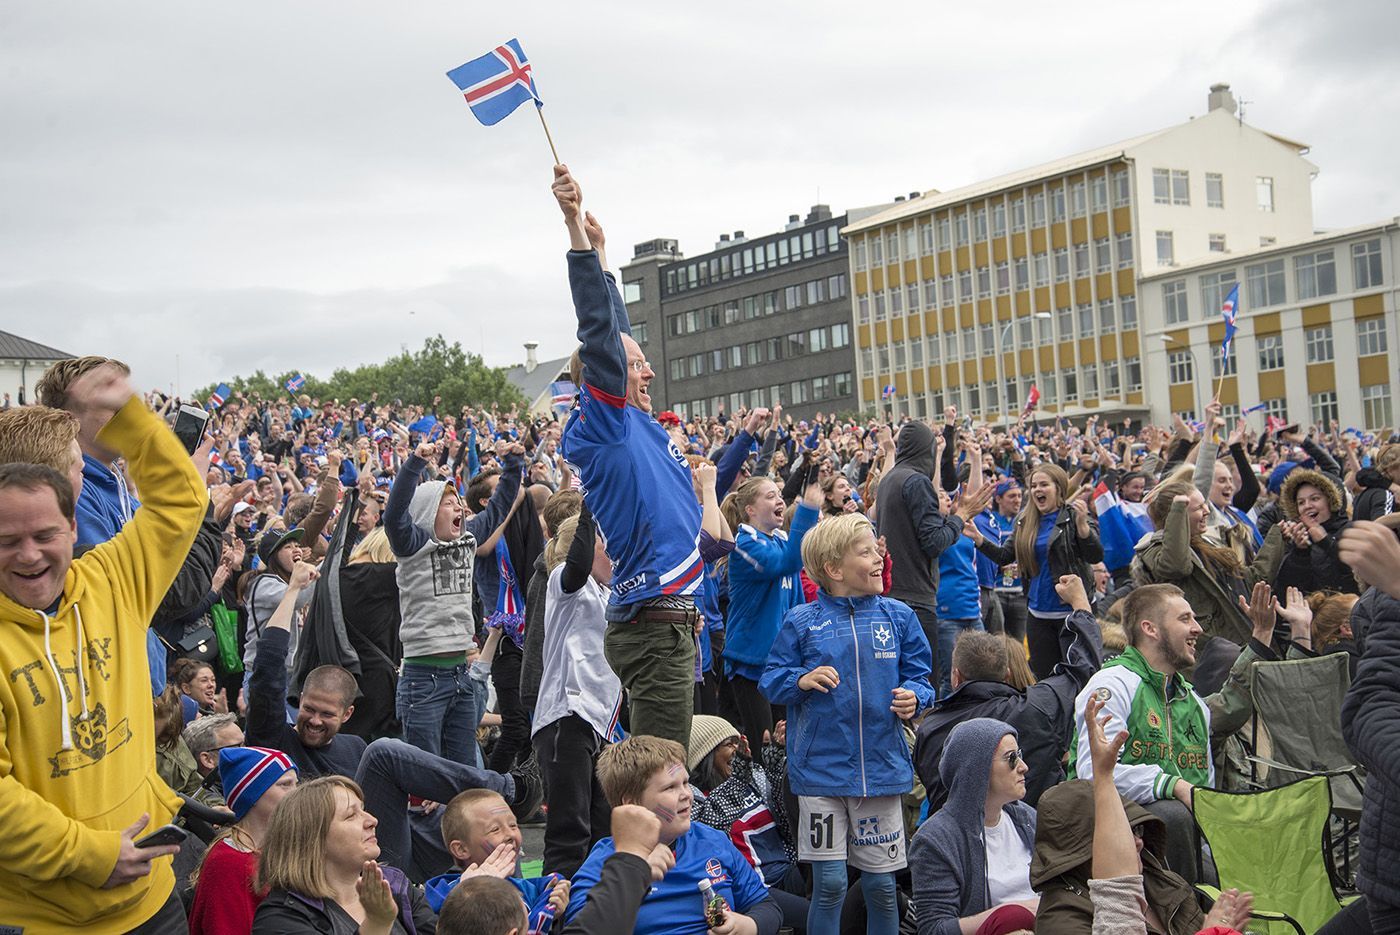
(969, 285)
(1067, 384)
(753, 353)
(812, 292)
(1317, 343)
(1314, 276)
(1173, 187)
(832, 386)
(753, 259)
(974, 225)
(1376, 410)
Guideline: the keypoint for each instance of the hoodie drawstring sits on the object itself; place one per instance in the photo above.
(65, 729)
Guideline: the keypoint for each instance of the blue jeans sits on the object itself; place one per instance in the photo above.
(391, 770)
(948, 630)
(438, 709)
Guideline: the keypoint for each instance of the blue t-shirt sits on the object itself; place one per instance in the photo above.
(957, 581)
(999, 529)
(1043, 598)
(673, 906)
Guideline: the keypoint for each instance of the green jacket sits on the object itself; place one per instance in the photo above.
(1166, 557)
(1169, 730)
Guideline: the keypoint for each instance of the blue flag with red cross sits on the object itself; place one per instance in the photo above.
(496, 83)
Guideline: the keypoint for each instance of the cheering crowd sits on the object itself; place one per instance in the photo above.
(754, 675)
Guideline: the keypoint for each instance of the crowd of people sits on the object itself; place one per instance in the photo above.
(845, 674)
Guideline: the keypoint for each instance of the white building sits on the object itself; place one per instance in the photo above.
(22, 363)
(1316, 330)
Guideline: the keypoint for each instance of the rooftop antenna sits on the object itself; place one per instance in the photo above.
(1241, 110)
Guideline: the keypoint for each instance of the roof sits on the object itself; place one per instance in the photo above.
(13, 347)
(532, 384)
(1092, 157)
(1210, 260)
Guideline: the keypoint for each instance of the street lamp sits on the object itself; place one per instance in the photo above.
(1195, 371)
(1001, 349)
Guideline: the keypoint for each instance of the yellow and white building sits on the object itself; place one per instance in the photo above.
(1315, 335)
(969, 296)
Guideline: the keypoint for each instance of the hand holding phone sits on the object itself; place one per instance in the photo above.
(190, 424)
(162, 837)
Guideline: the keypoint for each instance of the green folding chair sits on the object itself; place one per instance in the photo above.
(1272, 843)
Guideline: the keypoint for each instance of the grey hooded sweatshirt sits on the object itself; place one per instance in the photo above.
(948, 856)
(435, 576)
(915, 530)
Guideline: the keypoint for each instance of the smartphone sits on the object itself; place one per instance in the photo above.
(190, 425)
(167, 834)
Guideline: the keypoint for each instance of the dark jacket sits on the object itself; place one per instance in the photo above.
(532, 667)
(369, 599)
(948, 855)
(1371, 725)
(1067, 553)
(1043, 715)
(1064, 850)
(1376, 498)
(613, 901)
(916, 532)
(1317, 567)
(284, 913)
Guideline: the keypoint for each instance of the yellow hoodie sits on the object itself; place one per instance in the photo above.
(77, 752)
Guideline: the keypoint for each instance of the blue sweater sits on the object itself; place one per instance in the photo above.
(846, 741)
(635, 479)
(764, 585)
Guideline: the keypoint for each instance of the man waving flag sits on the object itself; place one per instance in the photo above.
(496, 83)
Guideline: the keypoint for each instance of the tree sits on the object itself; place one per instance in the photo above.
(438, 369)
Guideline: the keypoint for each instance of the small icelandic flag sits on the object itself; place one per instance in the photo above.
(562, 393)
(887, 392)
(496, 83)
(1257, 407)
(1032, 398)
(295, 382)
(221, 393)
(1228, 311)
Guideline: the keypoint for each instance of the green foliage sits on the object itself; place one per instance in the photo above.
(438, 369)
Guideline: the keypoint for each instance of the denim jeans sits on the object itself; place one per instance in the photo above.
(948, 630)
(437, 707)
(391, 770)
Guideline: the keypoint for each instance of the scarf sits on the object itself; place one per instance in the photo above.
(509, 614)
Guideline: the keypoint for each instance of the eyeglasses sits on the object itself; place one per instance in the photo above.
(1013, 757)
(639, 365)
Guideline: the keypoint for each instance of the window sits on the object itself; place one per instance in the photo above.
(1316, 274)
(969, 344)
(1057, 204)
(1081, 259)
(863, 308)
(1112, 379)
(1270, 352)
(775, 348)
(792, 297)
(901, 358)
(1319, 344)
(1042, 330)
(639, 332)
(1024, 334)
(1078, 200)
(965, 285)
(916, 353)
(984, 280)
(1122, 188)
(999, 219)
(950, 346)
(960, 223)
(835, 288)
(974, 397)
(945, 289)
(1171, 186)
(1061, 258)
(926, 238)
(1264, 192)
(1098, 193)
(1323, 407)
(990, 397)
(736, 356)
(1217, 243)
(945, 232)
(818, 340)
(911, 297)
(1018, 215)
(1264, 284)
(717, 360)
(1231, 364)
(677, 369)
(1179, 369)
(1165, 252)
(1089, 381)
(1278, 408)
(751, 307)
(797, 391)
(934, 350)
(1215, 190)
(931, 293)
(1003, 278)
(877, 251)
(979, 224)
(753, 353)
(1064, 323)
(1069, 384)
(1214, 288)
(821, 388)
(1370, 337)
(1022, 267)
(985, 334)
(867, 360)
(1129, 304)
(1366, 264)
(896, 301)
(1267, 241)
(1086, 318)
(1174, 306)
(884, 359)
(1106, 316)
(1038, 209)
(1103, 255)
(892, 247)
(1124, 249)
(879, 306)
(911, 242)
(1375, 406)
(842, 384)
(1133, 365)
(1042, 269)
(697, 364)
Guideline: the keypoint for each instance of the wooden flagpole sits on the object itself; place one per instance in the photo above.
(540, 110)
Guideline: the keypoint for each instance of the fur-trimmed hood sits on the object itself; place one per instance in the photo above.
(1288, 493)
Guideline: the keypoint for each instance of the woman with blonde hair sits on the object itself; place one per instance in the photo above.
(1056, 534)
(319, 872)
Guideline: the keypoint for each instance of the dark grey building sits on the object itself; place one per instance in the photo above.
(753, 322)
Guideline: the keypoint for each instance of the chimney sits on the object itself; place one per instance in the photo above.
(531, 361)
(898, 198)
(818, 213)
(913, 195)
(739, 237)
(1221, 98)
(794, 221)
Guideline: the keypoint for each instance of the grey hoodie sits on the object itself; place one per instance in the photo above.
(948, 856)
(915, 530)
(435, 576)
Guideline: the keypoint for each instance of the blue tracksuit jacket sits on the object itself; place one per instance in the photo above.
(764, 585)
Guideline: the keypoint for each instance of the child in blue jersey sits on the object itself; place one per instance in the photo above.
(850, 666)
(764, 585)
(481, 833)
(650, 772)
(959, 598)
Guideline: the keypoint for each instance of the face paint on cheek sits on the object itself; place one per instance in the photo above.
(664, 813)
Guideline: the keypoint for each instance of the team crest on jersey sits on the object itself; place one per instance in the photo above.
(883, 635)
(1154, 720)
(714, 869)
(885, 643)
(676, 454)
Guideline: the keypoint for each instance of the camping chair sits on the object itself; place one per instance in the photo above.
(1297, 732)
(1271, 843)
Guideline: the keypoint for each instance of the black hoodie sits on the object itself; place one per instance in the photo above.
(915, 531)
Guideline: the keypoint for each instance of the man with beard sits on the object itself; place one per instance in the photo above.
(1170, 727)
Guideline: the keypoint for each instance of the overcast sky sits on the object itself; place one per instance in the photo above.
(298, 185)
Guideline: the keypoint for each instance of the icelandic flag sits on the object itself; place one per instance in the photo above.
(424, 425)
(1032, 397)
(887, 392)
(221, 393)
(380, 434)
(1228, 311)
(1258, 407)
(295, 382)
(1121, 526)
(497, 83)
(215, 459)
(1273, 423)
(562, 393)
